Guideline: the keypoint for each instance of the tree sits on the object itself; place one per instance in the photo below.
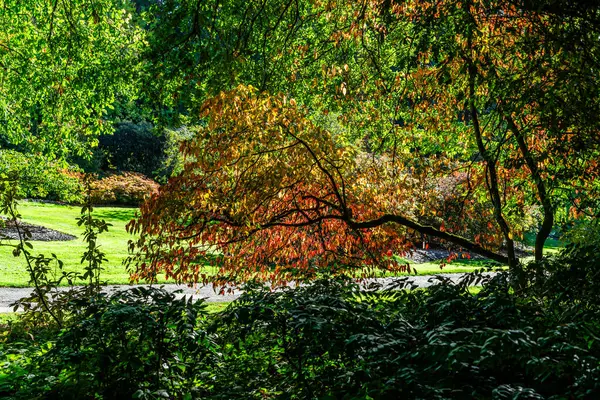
(275, 193)
(529, 90)
(62, 64)
(387, 107)
(132, 147)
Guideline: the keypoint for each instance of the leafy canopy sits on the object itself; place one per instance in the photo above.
(455, 120)
(62, 64)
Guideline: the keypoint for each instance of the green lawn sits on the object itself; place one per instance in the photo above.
(436, 267)
(216, 306)
(62, 218)
(114, 243)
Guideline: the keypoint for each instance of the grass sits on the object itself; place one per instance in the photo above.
(213, 307)
(5, 318)
(437, 267)
(13, 270)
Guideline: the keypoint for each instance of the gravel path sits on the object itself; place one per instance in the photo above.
(10, 295)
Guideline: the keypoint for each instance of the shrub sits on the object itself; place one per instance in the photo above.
(335, 340)
(138, 147)
(138, 343)
(132, 147)
(331, 340)
(127, 188)
(39, 178)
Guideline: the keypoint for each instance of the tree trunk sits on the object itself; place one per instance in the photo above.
(548, 220)
(491, 173)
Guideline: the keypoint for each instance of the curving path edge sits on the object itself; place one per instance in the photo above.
(9, 295)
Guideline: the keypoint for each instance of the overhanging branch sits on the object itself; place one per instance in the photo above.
(431, 231)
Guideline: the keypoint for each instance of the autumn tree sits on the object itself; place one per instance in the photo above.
(455, 119)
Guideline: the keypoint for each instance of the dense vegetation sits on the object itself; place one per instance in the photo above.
(307, 141)
(343, 132)
(331, 339)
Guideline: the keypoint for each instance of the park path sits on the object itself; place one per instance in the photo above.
(10, 295)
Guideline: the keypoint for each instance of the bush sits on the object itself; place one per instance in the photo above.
(127, 188)
(335, 340)
(331, 340)
(139, 343)
(138, 147)
(132, 147)
(37, 177)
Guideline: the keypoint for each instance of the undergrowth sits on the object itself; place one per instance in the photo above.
(329, 340)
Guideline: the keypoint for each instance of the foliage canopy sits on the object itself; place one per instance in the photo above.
(62, 64)
(472, 122)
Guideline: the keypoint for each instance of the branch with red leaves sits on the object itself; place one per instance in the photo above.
(269, 195)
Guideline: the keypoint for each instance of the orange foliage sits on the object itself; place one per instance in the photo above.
(127, 188)
(477, 131)
(268, 190)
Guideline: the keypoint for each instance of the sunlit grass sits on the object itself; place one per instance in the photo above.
(6, 317)
(216, 306)
(62, 218)
(13, 270)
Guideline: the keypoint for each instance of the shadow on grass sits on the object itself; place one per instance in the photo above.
(125, 214)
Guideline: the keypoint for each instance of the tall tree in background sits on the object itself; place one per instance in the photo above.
(454, 119)
(62, 64)
(199, 48)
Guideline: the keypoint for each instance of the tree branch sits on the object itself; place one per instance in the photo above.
(431, 231)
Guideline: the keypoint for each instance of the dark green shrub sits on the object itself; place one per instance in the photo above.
(132, 147)
(335, 340)
(138, 147)
(138, 343)
(568, 285)
(332, 341)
